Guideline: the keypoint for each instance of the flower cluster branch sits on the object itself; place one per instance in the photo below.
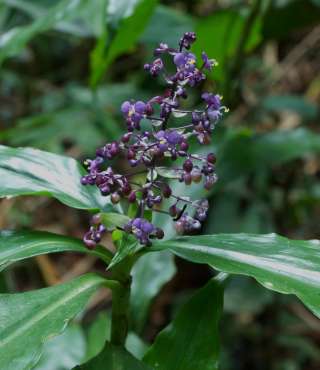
(146, 150)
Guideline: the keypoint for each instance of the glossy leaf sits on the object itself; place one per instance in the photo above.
(261, 151)
(128, 32)
(166, 25)
(294, 103)
(112, 219)
(219, 35)
(99, 332)
(19, 245)
(82, 21)
(113, 358)
(149, 275)
(14, 40)
(191, 341)
(27, 320)
(280, 264)
(59, 354)
(27, 171)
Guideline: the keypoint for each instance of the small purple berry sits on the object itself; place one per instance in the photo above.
(188, 165)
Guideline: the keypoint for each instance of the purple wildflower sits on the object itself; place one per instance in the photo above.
(150, 150)
(133, 113)
(207, 63)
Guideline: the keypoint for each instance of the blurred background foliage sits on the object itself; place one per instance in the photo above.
(67, 65)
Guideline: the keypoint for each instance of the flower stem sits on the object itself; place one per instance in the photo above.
(120, 302)
(120, 313)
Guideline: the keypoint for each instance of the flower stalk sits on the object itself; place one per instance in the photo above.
(152, 141)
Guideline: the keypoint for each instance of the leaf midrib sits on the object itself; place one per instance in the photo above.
(45, 311)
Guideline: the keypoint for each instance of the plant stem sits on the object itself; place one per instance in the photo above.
(120, 312)
(120, 302)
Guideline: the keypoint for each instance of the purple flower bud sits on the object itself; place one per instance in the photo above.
(211, 158)
(147, 227)
(174, 137)
(184, 146)
(207, 63)
(126, 189)
(159, 233)
(96, 219)
(188, 165)
(187, 178)
(126, 137)
(131, 154)
(105, 189)
(196, 175)
(115, 198)
(88, 241)
(140, 107)
(187, 39)
(166, 191)
(158, 145)
(132, 197)
(173, 210)
(125, 107)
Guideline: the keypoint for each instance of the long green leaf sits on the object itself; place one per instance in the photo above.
(99, 333)
(58, 354)
(128, 32)
(260, 151)
(27, 320)
(280, 264)
(27, 171)
(191, 341)
(150, 273)
(13, 41)
(219, 35)
(19, 245)
(113, 358)
(81, 21)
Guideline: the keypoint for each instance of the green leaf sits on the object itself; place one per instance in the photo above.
(14, 40)
(168, 173)
(83, 21)
(27, 320)
(191, 341)
(99, 332)
(261, 151)
(219, 34)
(48, 131)
(113, 358)
(280, 264)
(149, 275)
(243, 296)
(166, 25)
(27, 171)
(125, 38)
(58, 354)
(19, 245)
(126, 247)
(295, 103)
(112, 219)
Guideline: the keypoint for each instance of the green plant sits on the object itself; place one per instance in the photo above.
(191, 341)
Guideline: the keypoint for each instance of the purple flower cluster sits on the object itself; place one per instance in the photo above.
(147, 150)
